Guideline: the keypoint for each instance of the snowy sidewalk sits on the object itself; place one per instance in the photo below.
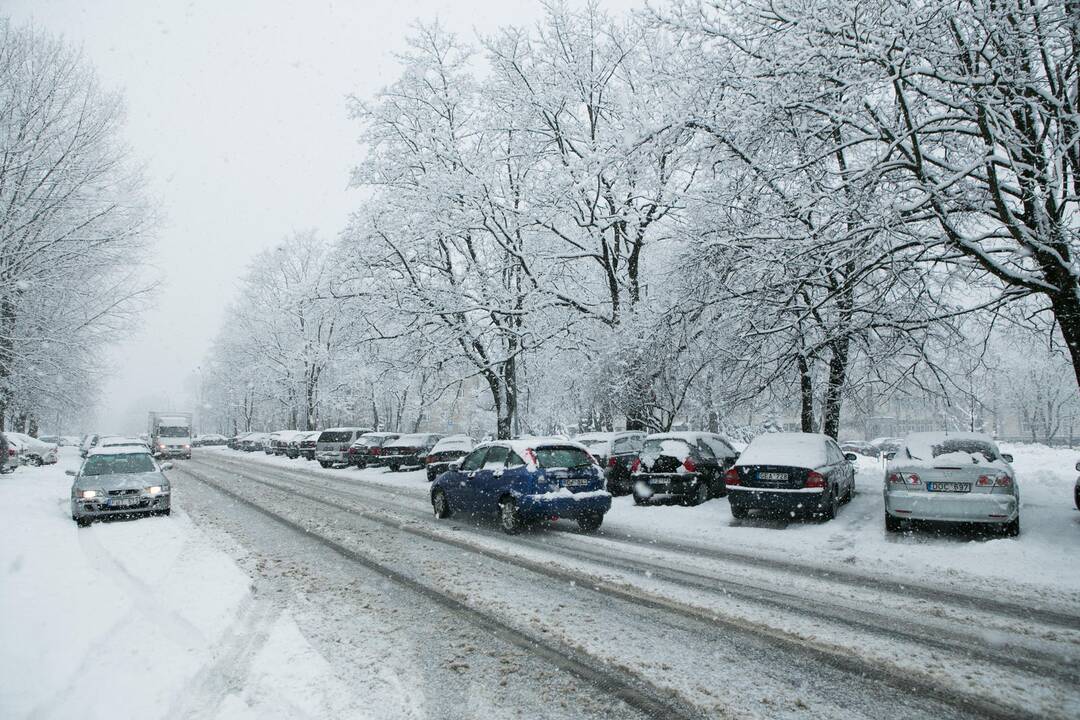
(142, 618)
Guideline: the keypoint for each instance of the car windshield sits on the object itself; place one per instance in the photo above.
(562, 457)
(173, 431)
(335, 436)
(118, 464)
(666, 447)
(950, 446)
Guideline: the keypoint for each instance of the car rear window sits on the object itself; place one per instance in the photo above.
(948, 446)
(666, 447)
(562, 457)
(335, 436)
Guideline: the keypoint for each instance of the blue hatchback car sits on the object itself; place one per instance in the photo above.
(525, 481)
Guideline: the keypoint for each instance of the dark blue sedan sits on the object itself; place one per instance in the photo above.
(524, 481)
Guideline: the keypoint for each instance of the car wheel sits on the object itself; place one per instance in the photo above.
(1012, 529)
(739, 512)
(831, 505)
(36, 461)
(394, 467)
(324, 464)
(1076, 497)
(83, 521)
(590, 523)
(509, 519)
(639, 500)
(702, 494)
(892, 524)
(440, 505)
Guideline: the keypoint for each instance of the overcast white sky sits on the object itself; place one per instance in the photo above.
(237, 108)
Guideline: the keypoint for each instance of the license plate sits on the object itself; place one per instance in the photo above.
(956, 487)
(772, 476)
(577, 482)
(124, 502)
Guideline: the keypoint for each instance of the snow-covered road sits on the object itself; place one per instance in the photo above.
(669, 612)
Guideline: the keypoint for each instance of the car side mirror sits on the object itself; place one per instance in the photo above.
(455, 466)
(166, 466)
(1078, 465)
(72, 473)
(1007, 457)
(851, 457)
(889, 455)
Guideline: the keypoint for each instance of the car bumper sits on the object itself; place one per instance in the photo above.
(331, 456)
(595, 502)
(174, 452)
(98, 508)
(666, 486)
(952, 507)
(402, 460)
(779, 501)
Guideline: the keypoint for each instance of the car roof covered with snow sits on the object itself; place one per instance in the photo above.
(788, 449)
(410, 439)
(932, 449)
(453, 442)
(120, 450)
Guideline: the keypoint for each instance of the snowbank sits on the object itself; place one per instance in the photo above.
(141, 618)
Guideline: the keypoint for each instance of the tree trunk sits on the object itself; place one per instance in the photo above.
(835, 387)
(1067, 313)
(806, 394)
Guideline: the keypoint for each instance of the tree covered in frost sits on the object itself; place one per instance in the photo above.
(73, 222)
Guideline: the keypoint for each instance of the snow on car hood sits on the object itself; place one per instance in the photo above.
(126, 481)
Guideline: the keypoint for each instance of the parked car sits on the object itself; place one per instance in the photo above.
(366, 450)
(209, 440)
(308, 443)
(791, 474)
(33, 451)
(952, 477)
(254, 442)
(445, 452)
(1076, 489)
(860, 448)
(279, 442)
(9, 459)
(119, 481)
(886, 446)
(524, 481)
(332, 447)
(684, 466)
(292, 447)
(88, 442)
(408, 450)
(616, 452)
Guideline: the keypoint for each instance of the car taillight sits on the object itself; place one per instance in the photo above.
(814, 479)
(731, 477)
(636, 465)
(352, 450)
(899, 478)
(612, 462)
(1002, 480)
(689, 465)
(376, 451)
(431, 460)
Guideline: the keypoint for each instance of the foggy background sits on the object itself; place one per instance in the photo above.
(238, 111)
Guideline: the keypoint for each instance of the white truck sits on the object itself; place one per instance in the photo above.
(170, 434)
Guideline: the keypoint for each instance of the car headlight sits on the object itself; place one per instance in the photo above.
(88, 494)
(154, 489)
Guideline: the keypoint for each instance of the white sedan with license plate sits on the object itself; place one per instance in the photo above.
(953, 478)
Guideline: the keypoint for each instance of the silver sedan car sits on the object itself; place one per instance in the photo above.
(119, 481)
(952, 477)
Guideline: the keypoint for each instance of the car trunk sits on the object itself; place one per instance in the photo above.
(773, 477)
(952, 478)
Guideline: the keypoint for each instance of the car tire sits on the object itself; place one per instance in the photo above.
(1011, 529)
(739, 512)
(638, 500)
(1076, 497)
(394, 467)
(324, 464)
(509, 518)
(440, 505)
(892, 524)
(590, 523)
(832, 506)
(702, 494)
(83, 522)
